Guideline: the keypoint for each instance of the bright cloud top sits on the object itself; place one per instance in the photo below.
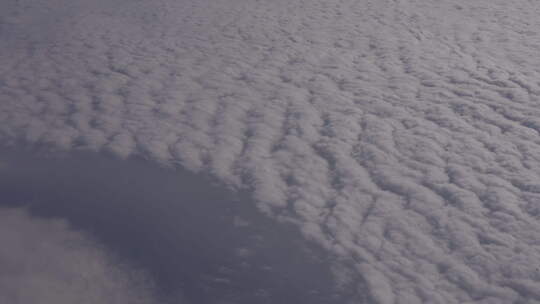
(401, 135)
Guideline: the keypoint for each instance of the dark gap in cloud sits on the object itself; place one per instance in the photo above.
(193, 236)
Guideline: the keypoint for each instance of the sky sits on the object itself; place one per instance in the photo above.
(401, 137)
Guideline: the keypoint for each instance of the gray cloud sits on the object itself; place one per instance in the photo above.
(402, 136)
(45, 261)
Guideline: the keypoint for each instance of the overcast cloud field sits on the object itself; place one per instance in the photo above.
(269, 151)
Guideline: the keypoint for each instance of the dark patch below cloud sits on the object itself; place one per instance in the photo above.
(193, 237)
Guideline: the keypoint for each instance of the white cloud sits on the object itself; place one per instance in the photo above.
(45, 261)
(402, 135)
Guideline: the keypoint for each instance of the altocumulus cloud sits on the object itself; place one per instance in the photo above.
(400, 135)
(44, 261)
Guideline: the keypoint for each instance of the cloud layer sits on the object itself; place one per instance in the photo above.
(401, 135)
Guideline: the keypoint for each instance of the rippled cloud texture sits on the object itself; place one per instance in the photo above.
(402, 136)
